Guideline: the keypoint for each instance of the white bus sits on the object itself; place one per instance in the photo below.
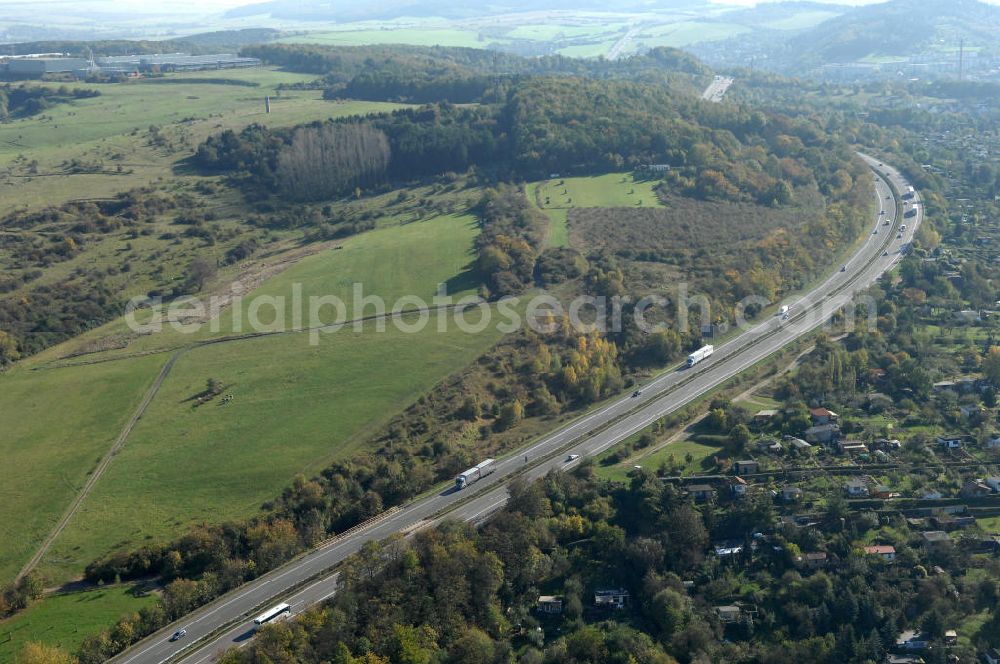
(272, 614)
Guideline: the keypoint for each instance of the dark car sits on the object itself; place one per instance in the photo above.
(636, 393)
(179, 634)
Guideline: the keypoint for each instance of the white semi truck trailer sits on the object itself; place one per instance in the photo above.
(699, 355)
(474, 474)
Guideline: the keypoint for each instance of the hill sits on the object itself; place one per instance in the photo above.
(895, 30)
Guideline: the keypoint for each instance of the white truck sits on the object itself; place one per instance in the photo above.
(783, 312)
(474, 474)
(699, 355)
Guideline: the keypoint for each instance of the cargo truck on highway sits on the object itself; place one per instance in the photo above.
(699, 355)
(474, 474)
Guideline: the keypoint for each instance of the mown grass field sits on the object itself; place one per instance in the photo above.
(65, 620)
(556, 196)
(391, 262)
(408, 260)
(296, 407)
(56, 425)
(610, 190)
(431, 36)
(691, 456)
(685, 33)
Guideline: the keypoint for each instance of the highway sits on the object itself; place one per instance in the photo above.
(717, 89)
(308, 579)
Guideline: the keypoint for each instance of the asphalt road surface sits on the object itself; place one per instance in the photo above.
(717, 89)
(227, 622)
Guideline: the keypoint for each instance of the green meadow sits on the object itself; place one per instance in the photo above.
(113, 130)
(296, 407)
(56, 426)
(65, 620)
(556, 196)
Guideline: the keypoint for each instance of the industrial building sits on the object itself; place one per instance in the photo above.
(176, 62)
(37, 67)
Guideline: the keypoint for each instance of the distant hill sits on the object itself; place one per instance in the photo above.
(346, 11)
(899, 27)
(894, 29)
(206, 42)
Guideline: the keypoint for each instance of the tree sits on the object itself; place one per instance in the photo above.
(991, 365)
(8, 349)
(510, 415)
(39, 653)
(199, 271)
(739, 436)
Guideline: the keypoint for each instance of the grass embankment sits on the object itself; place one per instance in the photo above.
(65, 620)
(296, 406)
(56, 425)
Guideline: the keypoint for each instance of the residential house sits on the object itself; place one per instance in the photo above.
(951, 442)
(823, 416)
(883, 492)
(992, 656)
(993, 483)
(763, 417)
(798, 444)
(994, 442)
(971, 410)
(887, 445)
(856, 488)
(950, 637)
(945, 386)
(813, 560)
(852, 447)
(935, 539)
(770, 446)
(791, 494)
(701, 491)
(884, 551)
(944, 522)
(823, 433)
(549, 604)
(975, 489)
(727, 548)
(612, 598)
(739, 486)
(903, 659)
(746, 467)
(876, 376)
(911, 640)
(728, 614)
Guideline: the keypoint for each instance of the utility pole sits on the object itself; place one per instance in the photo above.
(961, 60)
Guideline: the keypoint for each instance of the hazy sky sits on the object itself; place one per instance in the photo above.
(211, 6)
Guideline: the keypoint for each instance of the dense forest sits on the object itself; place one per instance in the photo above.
(576, 125)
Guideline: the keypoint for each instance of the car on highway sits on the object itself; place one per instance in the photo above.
(885, 253)
(179, 634)
(572, 457)
(636, 393)
(899, 236)
(843, 268)
(875, 232)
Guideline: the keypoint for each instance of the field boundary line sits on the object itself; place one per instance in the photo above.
(102, 466)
